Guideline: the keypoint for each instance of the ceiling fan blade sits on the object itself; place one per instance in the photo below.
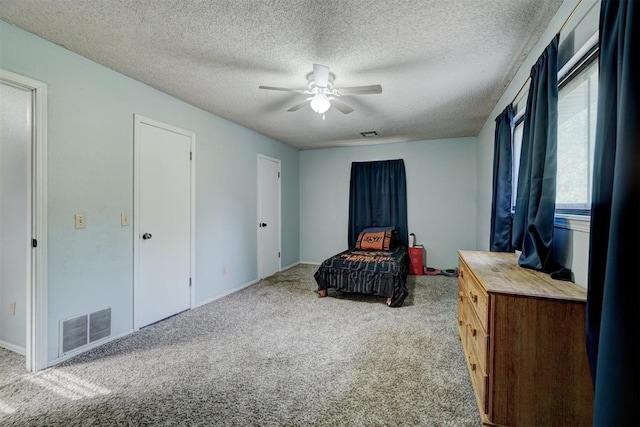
(284, 89)
(321, 75)
(360, 90)
(298, 106)
(341, 106)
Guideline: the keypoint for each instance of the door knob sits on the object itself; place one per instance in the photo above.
(146, 236)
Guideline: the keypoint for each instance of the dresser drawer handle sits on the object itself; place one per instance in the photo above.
(474, 297)
(473, 330)
(460, 273)
(461, 296)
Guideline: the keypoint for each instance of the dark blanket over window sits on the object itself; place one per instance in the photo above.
(378, 197)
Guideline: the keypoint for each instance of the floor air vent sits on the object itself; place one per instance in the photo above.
(74, 333)
(99, 324)
(82, 330)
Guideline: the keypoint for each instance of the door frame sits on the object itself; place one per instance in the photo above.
(36, 287)
(258, 218)
(139, 121)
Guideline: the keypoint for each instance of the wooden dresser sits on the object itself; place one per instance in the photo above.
(523, 335)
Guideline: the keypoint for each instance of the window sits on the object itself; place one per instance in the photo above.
(577, 105)
(518, 129)
(577, 108)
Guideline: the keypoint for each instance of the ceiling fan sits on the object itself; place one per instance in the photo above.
(322, 94)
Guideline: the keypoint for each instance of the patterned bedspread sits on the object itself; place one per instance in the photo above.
(368, 272)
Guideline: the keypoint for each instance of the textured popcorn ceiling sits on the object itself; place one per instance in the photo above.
(442, 64)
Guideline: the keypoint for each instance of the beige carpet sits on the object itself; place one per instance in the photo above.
(271, 354)
(12, 366)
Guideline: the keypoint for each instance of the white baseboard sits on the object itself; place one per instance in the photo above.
(86, 348)
(289, 266)
(310, 262)
(14, 348)
(246, 285)
(234, 290)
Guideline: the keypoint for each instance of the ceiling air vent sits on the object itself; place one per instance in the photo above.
(369, 134)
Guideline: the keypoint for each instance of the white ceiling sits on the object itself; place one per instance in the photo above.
(442, 65)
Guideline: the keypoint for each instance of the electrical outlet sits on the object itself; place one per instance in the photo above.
(81, 221)
(12, 308)
(224, 270)
(124, 219)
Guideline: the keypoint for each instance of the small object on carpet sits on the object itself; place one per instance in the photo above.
(430, 271)
(449, 272)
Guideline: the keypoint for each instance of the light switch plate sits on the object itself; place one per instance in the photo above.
(124, 219)
(81, 221)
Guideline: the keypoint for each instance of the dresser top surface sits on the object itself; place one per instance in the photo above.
(499, 272)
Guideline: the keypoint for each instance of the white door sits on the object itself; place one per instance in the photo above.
(15, 215)
(268, 216)
(163, 217)
(23, 105)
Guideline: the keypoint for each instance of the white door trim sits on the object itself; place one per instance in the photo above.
(36, 348)
(138, 121)
(262, 156)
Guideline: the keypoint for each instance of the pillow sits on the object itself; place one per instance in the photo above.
(394, 235)
(374, 241)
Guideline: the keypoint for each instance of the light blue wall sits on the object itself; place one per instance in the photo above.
(572, 245)
(90, 162)
(441, 200)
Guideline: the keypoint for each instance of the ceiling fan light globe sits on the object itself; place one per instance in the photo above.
(320, 104)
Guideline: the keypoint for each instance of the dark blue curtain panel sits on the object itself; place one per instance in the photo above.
(613, 297)
(500, 237)
(533, 222)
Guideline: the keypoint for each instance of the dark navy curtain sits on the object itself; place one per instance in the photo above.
(500, 238)
(613, 299)
(533, 222)
(378, 198)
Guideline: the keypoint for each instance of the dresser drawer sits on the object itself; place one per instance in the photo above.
(478, 299)
(462, 284)
(480, 382)
(477, 339)
(462, 309)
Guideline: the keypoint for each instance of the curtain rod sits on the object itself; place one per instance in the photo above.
(559, 31)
